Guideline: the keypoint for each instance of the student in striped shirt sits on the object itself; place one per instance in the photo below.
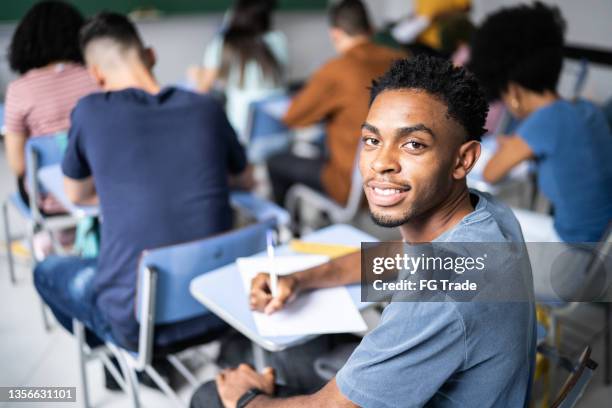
(45, 52)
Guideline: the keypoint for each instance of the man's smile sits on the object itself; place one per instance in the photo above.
(385, 194)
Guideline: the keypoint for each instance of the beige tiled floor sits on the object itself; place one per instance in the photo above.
(30, 356)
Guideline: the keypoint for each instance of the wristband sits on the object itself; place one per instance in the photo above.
(248, 397)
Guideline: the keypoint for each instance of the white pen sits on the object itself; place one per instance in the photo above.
(273, 278)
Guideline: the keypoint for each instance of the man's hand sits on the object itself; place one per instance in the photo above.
(233, 383)
(261, 296)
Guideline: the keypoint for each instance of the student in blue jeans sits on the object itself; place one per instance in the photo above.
(157, 161)
(420, 140)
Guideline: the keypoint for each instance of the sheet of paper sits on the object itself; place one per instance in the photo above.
(329, 310)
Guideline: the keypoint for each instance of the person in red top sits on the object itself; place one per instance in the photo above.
(52, 79)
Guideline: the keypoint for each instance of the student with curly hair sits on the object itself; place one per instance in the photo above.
(420, 139)
(45, 52)
(517, 54)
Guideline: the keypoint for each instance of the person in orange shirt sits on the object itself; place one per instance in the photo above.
(337, 93)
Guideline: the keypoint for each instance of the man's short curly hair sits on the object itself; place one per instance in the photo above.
(454, 86)
(522, 44)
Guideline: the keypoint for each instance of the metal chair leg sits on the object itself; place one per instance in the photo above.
(607, 339)
(45, 315)
(164, 386)
(183, 370)
(79, 333)
(7, 239)
(129, 375)
(259, 357)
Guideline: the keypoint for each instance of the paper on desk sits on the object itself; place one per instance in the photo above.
(329, 310)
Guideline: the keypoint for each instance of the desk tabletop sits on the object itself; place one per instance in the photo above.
(52, 179)
(222, 293)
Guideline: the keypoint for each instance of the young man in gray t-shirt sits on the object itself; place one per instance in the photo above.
(420, 140)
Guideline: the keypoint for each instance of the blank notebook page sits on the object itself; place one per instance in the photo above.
(329, 310)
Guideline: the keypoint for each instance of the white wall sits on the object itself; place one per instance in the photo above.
(180, 41)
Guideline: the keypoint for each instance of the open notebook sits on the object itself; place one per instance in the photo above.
(329, 310)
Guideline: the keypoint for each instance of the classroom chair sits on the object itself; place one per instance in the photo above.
(265, 133)
(595, 274)
(576, 383)
(164, 276)
(39, 151)
(300, 196)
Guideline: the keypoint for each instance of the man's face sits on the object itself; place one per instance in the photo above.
(409, 156)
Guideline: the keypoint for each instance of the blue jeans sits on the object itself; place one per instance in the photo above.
(66, 285)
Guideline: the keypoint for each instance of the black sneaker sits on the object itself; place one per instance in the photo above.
(163, 368)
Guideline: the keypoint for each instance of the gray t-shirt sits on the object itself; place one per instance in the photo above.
(450, 354)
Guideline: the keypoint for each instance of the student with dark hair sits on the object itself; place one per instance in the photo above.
(338, 94)
(420, 140)
(157, 161)
(45, 52)
(247, 60)
(517, 54)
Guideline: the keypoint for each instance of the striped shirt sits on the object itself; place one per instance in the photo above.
(40, 101)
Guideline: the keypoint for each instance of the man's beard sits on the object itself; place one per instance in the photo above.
(389, 222)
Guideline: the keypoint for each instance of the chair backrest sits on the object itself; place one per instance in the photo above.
(265, 133)
(175, 266)
(47, 149)
(41, 151)
(261, 123)
(577, 382)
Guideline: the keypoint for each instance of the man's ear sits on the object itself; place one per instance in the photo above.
(469, 152)
(149, 57)
(97, 74)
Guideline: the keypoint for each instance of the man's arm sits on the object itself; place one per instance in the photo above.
(232, 384)
(340, 271)
(512, 150)
(81, 192)
(15, 147)
(315, 101)
(328, 396)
